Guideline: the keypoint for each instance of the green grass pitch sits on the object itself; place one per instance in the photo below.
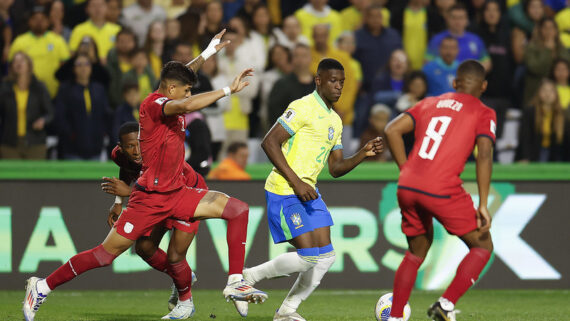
(323, 305)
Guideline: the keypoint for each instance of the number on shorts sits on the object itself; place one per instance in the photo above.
(433, 135)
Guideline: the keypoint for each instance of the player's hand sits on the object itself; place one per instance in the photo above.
(483, 219)
(305, 191)
(115, 186)
(114, 213)
(239, 83)
(39, 124)
(218, 39)
(374, 147)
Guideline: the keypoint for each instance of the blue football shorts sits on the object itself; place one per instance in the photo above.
(290, 217)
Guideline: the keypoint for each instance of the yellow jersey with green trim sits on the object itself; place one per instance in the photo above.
(315, 131)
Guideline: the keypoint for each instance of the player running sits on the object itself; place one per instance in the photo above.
(304, 138)
(446, 129)
(160, 192)
(128, 157)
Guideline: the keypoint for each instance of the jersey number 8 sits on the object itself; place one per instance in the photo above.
(433, 135)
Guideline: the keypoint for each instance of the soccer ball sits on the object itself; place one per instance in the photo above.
(384, 306)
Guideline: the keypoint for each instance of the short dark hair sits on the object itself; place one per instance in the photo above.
(471, 68)
(128, 86)
(329, 64)
(127, 128)
(177, 71)
(449, 37)
(126, 31)
(411, 76)
(235, 146)
(457, 6)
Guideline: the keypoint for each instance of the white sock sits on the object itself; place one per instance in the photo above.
(232, 278)
(43, 287)
(306, 283)
(283, 264)
(185, 302)
(446, 304)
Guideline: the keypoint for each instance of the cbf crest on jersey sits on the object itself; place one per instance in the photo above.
(331, 133)
(296, 219)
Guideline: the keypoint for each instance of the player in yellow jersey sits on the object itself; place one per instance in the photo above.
(305, 137)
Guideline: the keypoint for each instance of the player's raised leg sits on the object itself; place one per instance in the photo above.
(309, 280)
(235, 212)
(37, 289)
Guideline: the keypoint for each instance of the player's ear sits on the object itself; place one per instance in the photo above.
(317, 80)
(484, 85)
(454, 83)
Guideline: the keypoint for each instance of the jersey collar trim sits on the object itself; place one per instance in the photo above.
(320, 101)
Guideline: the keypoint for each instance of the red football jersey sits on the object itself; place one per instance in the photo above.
(446, 129)
(162, 146)
(130, 171)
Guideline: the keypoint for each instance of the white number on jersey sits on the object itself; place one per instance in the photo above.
(433, 135)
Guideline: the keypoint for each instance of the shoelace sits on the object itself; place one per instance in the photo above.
(39, 302)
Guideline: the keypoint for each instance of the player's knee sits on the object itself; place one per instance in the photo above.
(235, 208)
(309, 257)
(103, 257)
(175, 256)
(145, 249)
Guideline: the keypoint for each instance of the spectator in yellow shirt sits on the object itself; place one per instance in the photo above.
(352, 16)
(46, 48)
(345, 105)
(96, 27)
(563, 21)
(233, 166)
(318, 12)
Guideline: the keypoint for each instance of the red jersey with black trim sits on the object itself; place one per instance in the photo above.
(446, 129)
(162, 146)
(130, 171)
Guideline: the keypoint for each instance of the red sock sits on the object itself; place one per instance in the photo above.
(236, 213)
(182, 276)
(159, 261)
(467, 273)
(404, 283)
(84, 261)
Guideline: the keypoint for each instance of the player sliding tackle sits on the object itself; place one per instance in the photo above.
(160, 192)
(446, 129)
(304, 138)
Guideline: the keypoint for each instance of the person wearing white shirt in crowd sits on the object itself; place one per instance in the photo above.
(238, 55)
(290, 33)
(140, 15)
(251, 44)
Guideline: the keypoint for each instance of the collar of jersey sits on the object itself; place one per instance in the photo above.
(320, 101)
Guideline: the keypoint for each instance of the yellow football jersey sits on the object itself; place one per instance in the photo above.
(315, 131)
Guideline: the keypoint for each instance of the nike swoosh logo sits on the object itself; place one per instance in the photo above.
(321, 117)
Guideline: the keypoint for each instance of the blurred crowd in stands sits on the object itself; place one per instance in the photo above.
(73, 71)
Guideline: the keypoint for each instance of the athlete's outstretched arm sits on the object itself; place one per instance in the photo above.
(197, 102)
(213, 48)
(338, 165)
(271, 145)
(484, 164)
(394, 131)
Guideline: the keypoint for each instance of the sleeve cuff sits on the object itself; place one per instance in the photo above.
(287, 128)
(164, 104)
(413, 119)
(335, 147)
(488, 136)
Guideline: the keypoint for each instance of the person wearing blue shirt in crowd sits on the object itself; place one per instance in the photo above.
(440, 72)
(470, 45)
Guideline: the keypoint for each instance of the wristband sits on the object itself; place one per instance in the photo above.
(211, 49)
(118, 200)
(227, 91)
